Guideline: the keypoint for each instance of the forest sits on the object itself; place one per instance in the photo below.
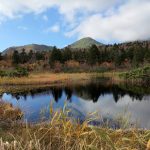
(93, 59)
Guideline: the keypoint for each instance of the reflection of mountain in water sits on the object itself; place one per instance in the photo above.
(90, 91)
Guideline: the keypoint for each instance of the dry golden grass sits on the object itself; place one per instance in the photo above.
(62, 133)
(66, 136)
(45, 78)
(7, 111)
(57, 78)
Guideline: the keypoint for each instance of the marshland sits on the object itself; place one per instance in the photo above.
(74, 75)
(84, 112)
(73, 104)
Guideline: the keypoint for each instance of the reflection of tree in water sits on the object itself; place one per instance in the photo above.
(57, 93)
(17, 97)
(94, 90)
(69, 93)
(136, 97)
(90, 91)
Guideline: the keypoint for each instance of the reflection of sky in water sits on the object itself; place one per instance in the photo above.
(32, 105)
(139, 110)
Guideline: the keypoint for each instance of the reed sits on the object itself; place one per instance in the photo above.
(62, 132)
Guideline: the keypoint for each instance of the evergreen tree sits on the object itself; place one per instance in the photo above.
(80, 55)
(123, 55)
(117, 58)
(23, 56)
(75, 55)
(93, 55)
(55, 56)
(115, 54)
(105, 55)
(67, 54)
(147, 53)
(1, 57)
(30, 55)
(40, 56)
(138, 57)
(15, 57)
(129, 54)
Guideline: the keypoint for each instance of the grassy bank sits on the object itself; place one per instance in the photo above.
(46, 78)
(62, 132)
(39, 81)
(55, 78)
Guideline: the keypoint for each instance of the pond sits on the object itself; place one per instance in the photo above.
(101, 96)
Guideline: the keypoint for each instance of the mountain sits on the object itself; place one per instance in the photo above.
(84, 43)
(34, 47)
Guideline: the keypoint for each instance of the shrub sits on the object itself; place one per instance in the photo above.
(18, 72)
(140, 73)
(57, 67)
(72, 64)
(22, 72)
(2, 73)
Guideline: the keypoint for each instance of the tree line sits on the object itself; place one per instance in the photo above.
(23, 57)
(134, 54)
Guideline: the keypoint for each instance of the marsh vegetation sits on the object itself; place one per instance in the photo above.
(63, 132)
(31, 80)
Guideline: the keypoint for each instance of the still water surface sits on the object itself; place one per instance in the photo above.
(108, 100)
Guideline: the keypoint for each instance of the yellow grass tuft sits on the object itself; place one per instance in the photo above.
(148, 145)
(61, 132)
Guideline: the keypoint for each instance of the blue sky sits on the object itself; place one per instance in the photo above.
(33, 28)
(61, 22)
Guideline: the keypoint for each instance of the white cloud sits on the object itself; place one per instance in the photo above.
(107, 20)
(54, 28)
(130, 22)
(69, 8)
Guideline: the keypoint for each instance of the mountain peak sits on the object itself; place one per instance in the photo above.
(85, 43)
(87, 38)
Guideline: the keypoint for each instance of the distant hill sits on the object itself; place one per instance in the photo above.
(84, 43)
(34, 47)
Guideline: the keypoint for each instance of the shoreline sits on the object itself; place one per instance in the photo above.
(60, 131)
(49, 78)
(46, 80)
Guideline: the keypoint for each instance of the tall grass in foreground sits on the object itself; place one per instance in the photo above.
(63, 133)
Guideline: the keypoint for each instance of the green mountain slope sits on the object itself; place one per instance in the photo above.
(84, 43)
(34, 47)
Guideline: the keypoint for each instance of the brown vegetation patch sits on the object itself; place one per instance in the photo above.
(8, 112)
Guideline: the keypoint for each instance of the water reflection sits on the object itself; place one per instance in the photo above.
(90, 91)
(108, 99)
